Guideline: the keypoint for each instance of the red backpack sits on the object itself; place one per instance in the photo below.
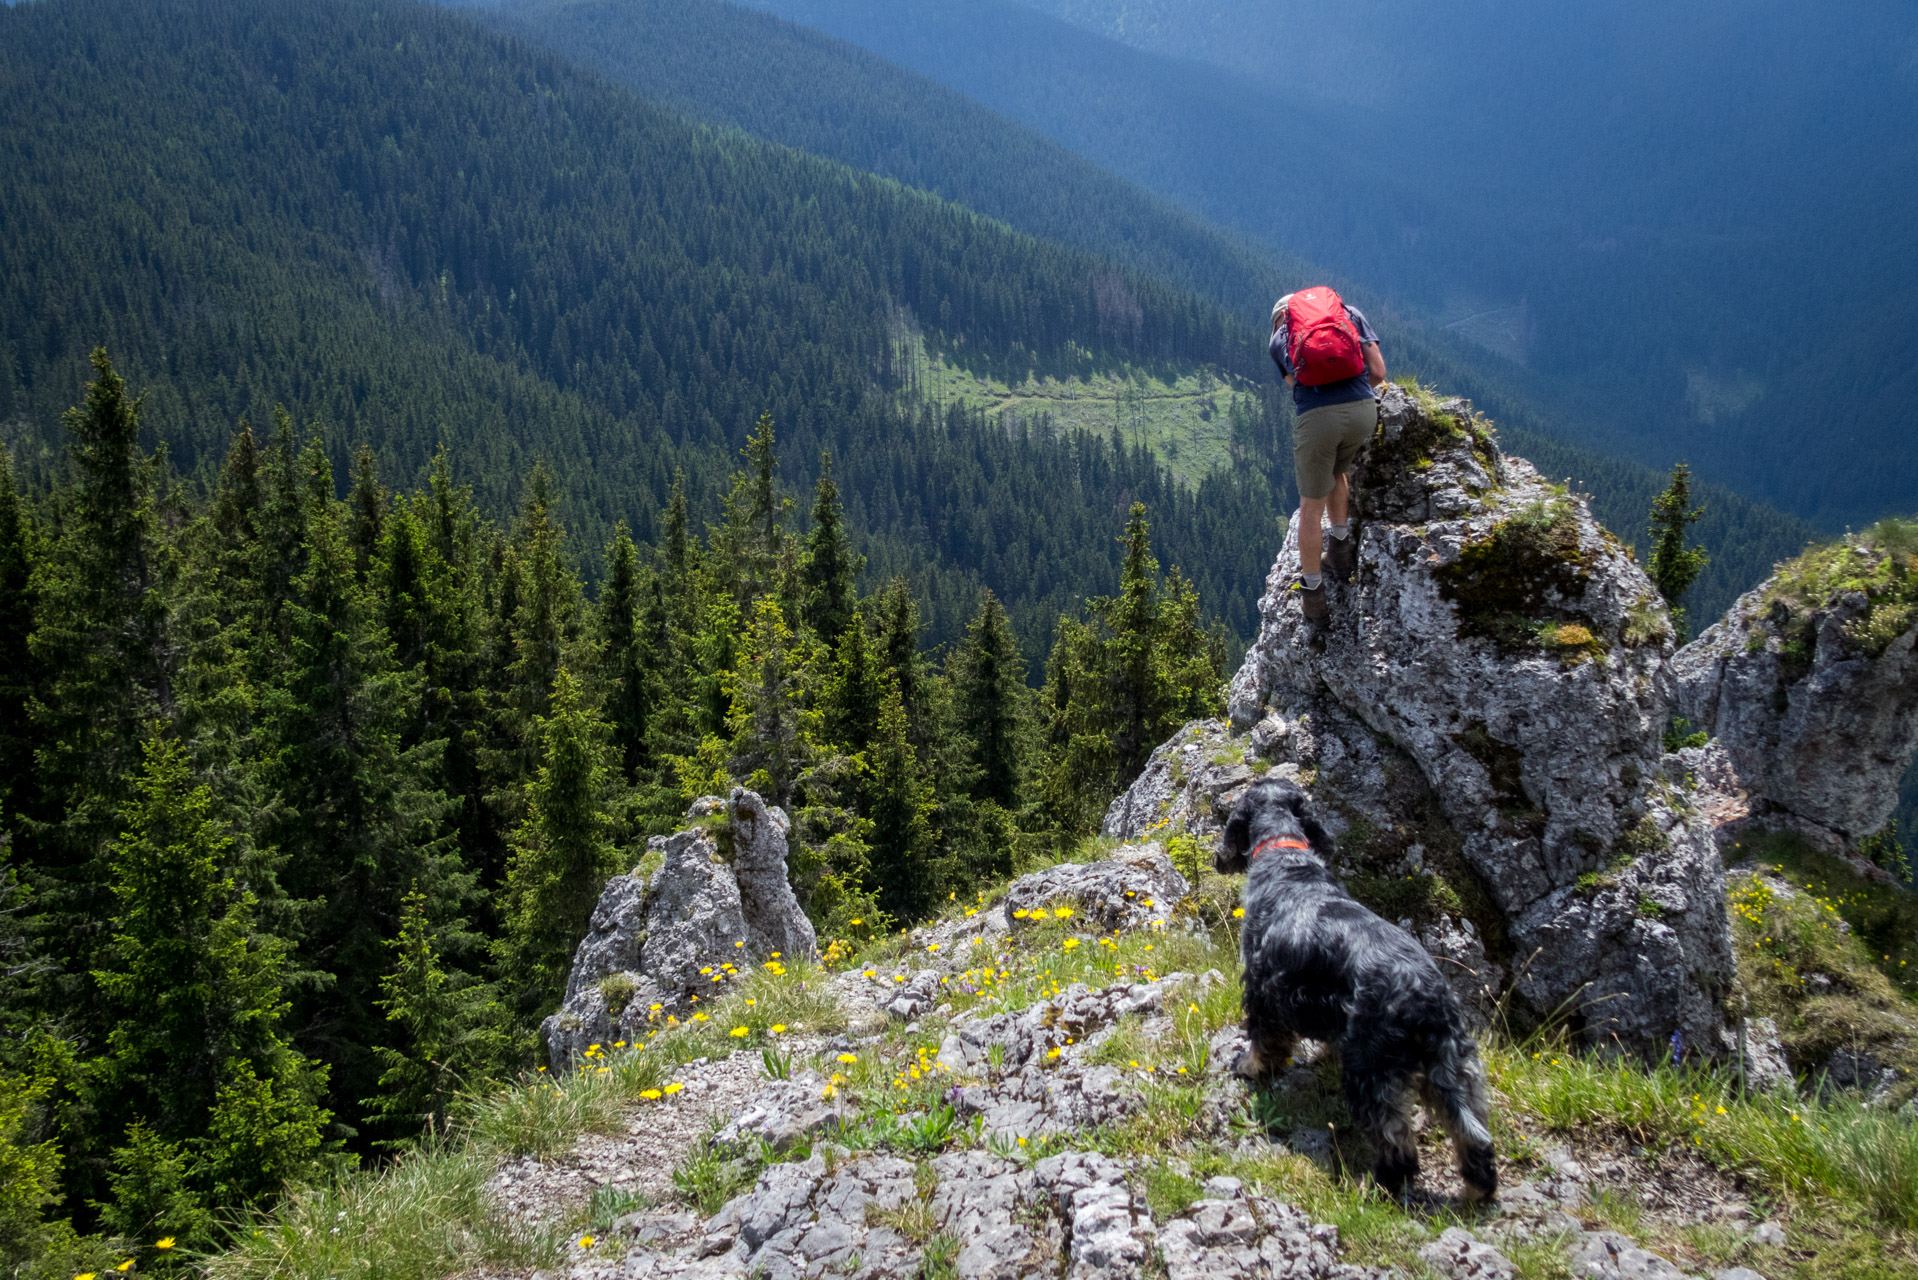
(1325, 343)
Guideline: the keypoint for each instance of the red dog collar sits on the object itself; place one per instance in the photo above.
(1276, 843)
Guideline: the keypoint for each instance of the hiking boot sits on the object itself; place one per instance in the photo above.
(1340, 557)
(1311, 601)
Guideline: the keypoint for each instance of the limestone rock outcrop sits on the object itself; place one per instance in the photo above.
(656, 948)
(1076, 1214)
(1134, 888)
(1815, 701)
(1504, 644)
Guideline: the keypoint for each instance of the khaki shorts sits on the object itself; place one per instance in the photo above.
(1326, 440)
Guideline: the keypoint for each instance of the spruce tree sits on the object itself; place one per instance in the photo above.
(989, 694)
(195, 1052)
(829, 569)
(906, 877)
(898, 653)
(17, 555)
(1139, 687)
(772, 731)
(672, 629)
(855, 690)
(450, 1033)
(536, 627)
(561, 854)
(100, 645)
(367, 502)
(752, 548)
(435, 612)
(624, 665)
(1674, 566)
(359, 815)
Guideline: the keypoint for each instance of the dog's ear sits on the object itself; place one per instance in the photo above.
(1230, 859)
(1317, 836)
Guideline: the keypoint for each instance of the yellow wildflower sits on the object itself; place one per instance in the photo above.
(651, 1095)
(737, 1033)
(674, 1087)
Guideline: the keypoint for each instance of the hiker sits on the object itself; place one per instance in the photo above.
(1330, 358)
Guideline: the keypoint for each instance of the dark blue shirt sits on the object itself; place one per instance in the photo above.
(1305, 398)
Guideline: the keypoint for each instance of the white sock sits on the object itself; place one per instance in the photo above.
(1311, 580)
(1341, 531)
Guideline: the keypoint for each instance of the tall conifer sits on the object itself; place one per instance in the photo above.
(17, 556)
(856, 689)
(561, 853)
(830, 568)
(989, 694)
(100, 641)
(624, 665)
(195, 1050)
(367, 502)
(360, 816)
(899, 806)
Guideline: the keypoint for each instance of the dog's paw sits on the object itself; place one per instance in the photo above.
(1249, 1065)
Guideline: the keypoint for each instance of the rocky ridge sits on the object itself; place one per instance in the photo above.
(1482, 721)
(1013, 1188)
(1499, 643)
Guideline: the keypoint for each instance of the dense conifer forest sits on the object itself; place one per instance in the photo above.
(307, 800)
(410, 232)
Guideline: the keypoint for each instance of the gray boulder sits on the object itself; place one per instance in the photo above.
(654, 950)
(1134, 887)
(1109, 1231)
(1229, 1235)
(783, 1112)
(773, 918)
(1816, 705)
(1459, 1255)
(1606, 1255)
(1510, 648)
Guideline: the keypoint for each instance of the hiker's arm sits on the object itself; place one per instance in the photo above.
(1277, 348)
(1374, 364)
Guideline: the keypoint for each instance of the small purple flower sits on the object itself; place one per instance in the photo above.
(1678, 1047)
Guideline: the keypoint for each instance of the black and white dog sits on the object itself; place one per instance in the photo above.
(1319, 965)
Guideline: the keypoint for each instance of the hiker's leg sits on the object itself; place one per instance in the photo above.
(1315, 451)
(1311, 535)
(1337, 500)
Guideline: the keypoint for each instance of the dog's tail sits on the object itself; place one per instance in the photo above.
(1455, 1091)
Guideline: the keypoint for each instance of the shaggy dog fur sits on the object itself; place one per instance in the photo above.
(1319, 965)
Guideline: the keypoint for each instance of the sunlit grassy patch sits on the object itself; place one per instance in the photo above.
(1836, 1148)
(422, 1218)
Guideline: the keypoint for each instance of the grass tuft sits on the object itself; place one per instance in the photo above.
(423, 1217)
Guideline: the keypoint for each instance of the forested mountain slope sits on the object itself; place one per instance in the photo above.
(412, 232)
(798, 86)
(1650, 204)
